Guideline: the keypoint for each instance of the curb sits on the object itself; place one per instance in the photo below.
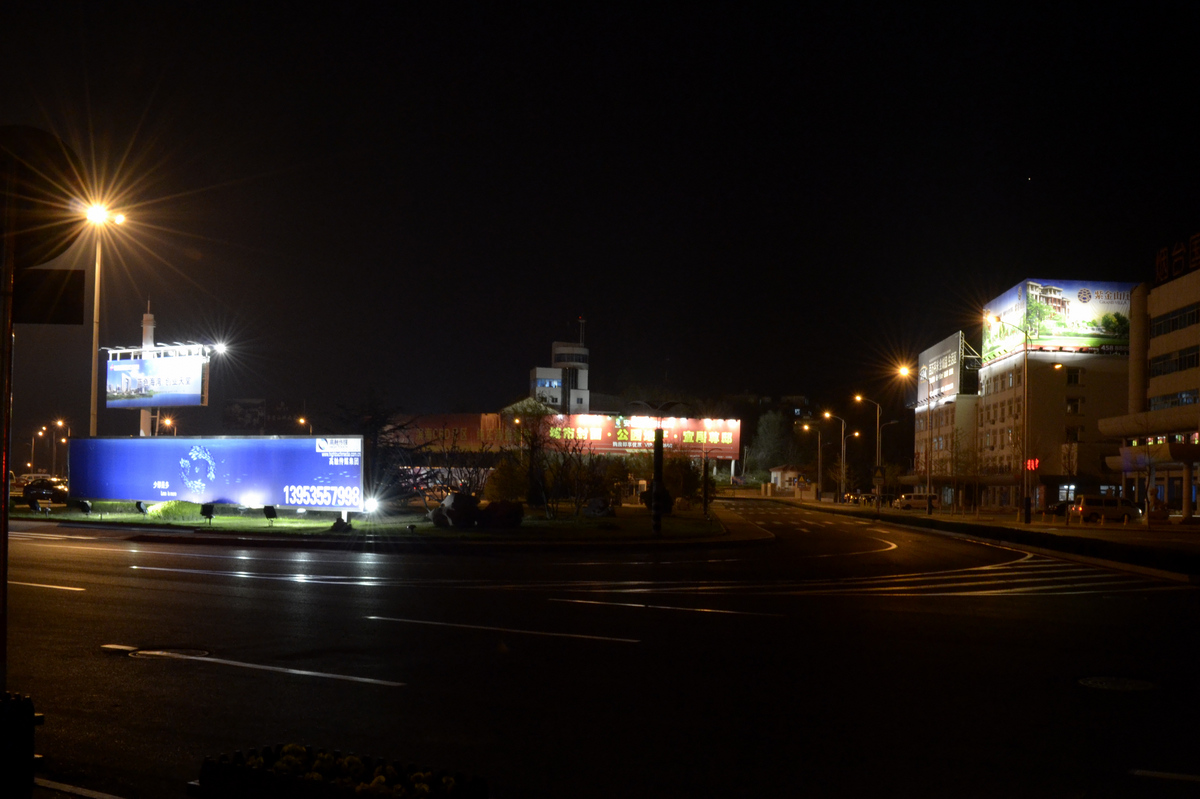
(1137, 558)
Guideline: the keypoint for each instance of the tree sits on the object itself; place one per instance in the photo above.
(774, 442)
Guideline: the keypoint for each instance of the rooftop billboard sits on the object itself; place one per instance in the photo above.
(1060, 316)
(317, 473)
(940, 369)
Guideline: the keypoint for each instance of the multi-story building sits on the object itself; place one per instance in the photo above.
(564, 384)
(1159, 431)
(1060, 349)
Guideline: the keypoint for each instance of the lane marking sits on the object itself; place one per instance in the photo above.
(645, 562)
(71, 789)
(55, 587)
(1165, 775)
(151, 653)
(506, 630)
(665, 607)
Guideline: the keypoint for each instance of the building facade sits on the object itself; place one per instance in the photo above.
(1056, 350)
(1159, 430)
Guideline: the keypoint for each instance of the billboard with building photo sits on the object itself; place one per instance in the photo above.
(160, 382)
(940, 368)
(1059, 316)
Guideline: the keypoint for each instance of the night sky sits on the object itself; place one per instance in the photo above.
(413, 200)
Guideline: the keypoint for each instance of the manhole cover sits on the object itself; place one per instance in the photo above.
(1116, 684)
(169, 653)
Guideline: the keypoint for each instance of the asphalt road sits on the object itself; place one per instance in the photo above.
(847, 658)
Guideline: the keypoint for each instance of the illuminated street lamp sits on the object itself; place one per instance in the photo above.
(169, 422)
(99, 217)
(303, 421)
(878, 462)
(33, 446)
(820, 452)
(992, 320)
(842, 480)
(845, 438)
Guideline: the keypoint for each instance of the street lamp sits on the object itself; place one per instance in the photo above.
(303, 421)
(820, 452)
(842, 481)
(878, 462)
(992, 320)
(845, 438)
(99, 217)
(169, 422)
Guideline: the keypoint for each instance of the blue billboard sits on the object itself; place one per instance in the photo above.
(316, 473)
(162, 382)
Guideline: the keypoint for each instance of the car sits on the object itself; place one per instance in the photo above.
(1060, 508)
(46, 489)
(1093, 507)
(916, 501)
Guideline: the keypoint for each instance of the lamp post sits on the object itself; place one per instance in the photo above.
(820, 452)
(842, 480)
(845, 438)
(1026, 502)
(304, 421)
(169, 422)
(878, 414)
(99, 216)
(60, 424)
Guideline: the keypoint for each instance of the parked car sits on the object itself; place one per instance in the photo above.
(917, 501)
(46, 489)
(1092, 507)
(1060, 508)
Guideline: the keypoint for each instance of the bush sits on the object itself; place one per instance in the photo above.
(174, 511)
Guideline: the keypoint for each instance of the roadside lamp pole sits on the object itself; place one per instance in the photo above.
(99, 216)
(878, 462)
(842, 480)
(1026, 501)
(844, 439)
(304, 421)
(820, 452)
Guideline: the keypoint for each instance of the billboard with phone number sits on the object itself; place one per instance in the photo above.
(315, 473)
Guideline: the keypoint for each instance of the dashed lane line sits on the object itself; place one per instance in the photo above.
(665, 607)
(152, 653)
(506, 630)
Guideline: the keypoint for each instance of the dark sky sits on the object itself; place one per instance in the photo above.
(415, 200)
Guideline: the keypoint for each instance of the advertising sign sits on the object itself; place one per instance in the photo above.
(940, 369)
(297, 472)
(618, 435)
(599, 434)
(165, 382)
(1059, 315)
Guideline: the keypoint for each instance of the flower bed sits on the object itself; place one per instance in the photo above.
(298, 771)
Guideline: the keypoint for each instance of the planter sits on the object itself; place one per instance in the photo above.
(304, 772)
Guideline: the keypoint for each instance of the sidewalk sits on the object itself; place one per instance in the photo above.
(1165, 549)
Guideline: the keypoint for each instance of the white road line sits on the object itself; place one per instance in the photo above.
(299, 672)
(71, 789)
(55, 587)
(1165, 775)
(665, 607)
(506, 630)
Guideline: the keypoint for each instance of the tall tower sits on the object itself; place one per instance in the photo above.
(144, 427)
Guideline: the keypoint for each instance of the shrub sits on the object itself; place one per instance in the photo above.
(175, 510)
